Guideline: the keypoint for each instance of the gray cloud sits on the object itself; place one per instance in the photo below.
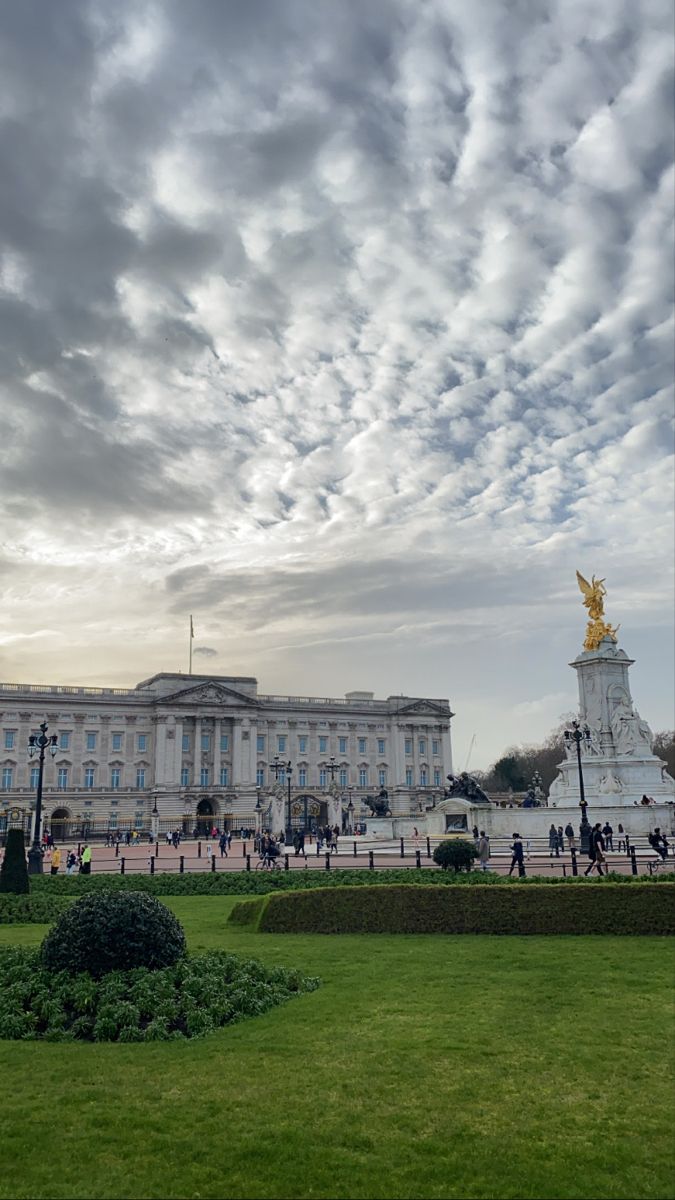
(327, 318)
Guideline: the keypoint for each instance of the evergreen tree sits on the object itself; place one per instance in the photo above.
(14, 871)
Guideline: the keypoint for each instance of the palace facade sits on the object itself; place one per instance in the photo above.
(186, 748)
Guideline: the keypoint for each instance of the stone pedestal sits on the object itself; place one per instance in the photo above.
(618, 765)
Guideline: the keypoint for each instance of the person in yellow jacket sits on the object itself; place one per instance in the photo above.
(56, 861)
(86, 861)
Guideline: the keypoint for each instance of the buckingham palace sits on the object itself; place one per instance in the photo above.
(188, 750)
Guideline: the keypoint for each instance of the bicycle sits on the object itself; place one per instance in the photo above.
(268, 862)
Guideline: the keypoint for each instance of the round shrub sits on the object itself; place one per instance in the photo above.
(455, 856)
(114, 931)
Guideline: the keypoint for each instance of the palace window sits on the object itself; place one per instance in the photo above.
(206, 741)
(224, 743)
(437, 777)
(380, 746)
(34, 776)
(89, 776)
(435, 746)
(185, 777)
(142, 741)
(408, 745)
(62, 777)
(382, 777)
(342, 745)
(323, 745)
(117, 741)
(64, 741)
(140, 777)
(281, 743)
(9, 739)
(363, 777)
(423, 777)
(115, 776)
(91, 741)
(186, 743)
(323, 775)
(260, 777)
(343, 778)
(362, 746)
(423, 746)
(408, 777)
(224, 776)
(302, 777)
(204, 777)
(7, 773)
(261, 743)
(302, 745)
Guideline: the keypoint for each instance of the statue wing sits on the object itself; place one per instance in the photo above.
(584, 585)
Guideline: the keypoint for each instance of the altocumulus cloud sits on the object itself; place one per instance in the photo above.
(346, 327)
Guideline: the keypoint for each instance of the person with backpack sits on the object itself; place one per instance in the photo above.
(570, 835)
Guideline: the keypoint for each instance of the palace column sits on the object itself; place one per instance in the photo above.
(197, 762)
(237, 764)
(217, 733)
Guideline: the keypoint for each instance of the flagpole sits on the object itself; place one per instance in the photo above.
(192, 634)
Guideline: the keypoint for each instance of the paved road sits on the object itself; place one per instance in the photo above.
(137, 859)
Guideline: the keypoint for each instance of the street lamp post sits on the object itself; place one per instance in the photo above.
(287, 769)
(578, 734)
(155, 822)
(37, 744)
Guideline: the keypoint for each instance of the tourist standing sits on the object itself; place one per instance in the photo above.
(517, 859)
(553, 842)
(86, 861)
(223, 845)
(561, 841)
(56, 861)
(608, 834)
(484, 851)
(571, 837)
(622, 840)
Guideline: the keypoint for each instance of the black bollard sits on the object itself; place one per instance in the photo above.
(371, 860)
(117, 849)
(354, 849)
(181, 864)
(575, 869)
(328, 862)
(428, 847)
(564, 871)
(213, 863)
(418, 859)
(122, 865)
(248, 862)
(199, 849)
(152, 864)
(243, 849)
(402, 848)
(287, 865)
(633, 863)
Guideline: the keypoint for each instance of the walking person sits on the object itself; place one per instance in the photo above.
(622, 839)
(518, 859)
(85, 868)
(596, 850)
(608, 834)
(553, 842)
(571, 837)
(223, 845)
(484, 851)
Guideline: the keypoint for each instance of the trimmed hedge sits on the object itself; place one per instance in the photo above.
(102, 933)
(609, 908)
(260, 883)
(31, 910)
(14, 869)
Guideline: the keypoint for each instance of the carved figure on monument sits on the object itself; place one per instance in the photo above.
(629, 731)
(610, 785)
(465, 786)
(597, 629)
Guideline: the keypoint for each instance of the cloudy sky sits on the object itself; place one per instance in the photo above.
(345, 326)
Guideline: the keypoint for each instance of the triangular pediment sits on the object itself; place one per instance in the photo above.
(210, 693)
(425, 708)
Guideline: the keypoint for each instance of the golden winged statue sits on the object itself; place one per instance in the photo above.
(597, 629)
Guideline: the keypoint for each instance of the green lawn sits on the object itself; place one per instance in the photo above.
(423, 1067)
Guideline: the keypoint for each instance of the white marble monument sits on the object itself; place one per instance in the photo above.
(617, 762)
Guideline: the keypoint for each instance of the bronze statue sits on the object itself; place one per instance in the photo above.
(597, 629)
(379, 805)
(465, 786)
